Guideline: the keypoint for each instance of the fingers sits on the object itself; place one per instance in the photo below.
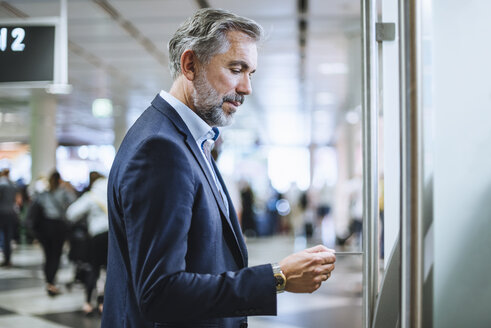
(326, 276)
(308, 269)
(317, 249)
(326, 257)
(322, 273)
(322, 278)
(327, 268)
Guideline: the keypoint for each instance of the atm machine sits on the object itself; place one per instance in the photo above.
(426, 65)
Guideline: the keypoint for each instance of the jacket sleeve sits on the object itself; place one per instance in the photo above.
(157, 200)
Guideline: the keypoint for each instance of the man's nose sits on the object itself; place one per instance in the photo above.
(244, 87)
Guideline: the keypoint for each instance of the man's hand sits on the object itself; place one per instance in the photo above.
(306, 270)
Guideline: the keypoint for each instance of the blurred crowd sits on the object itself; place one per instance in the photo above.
(52, 213)
(301, 213)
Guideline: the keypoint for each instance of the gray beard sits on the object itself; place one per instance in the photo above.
(208, 103)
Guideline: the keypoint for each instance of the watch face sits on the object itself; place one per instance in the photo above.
(279, 281)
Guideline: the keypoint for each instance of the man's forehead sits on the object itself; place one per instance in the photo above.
(238, 36)
(242, 50)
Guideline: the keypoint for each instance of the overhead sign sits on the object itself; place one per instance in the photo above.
(27, 53)
(34, 53)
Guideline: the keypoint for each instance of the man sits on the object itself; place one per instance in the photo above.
(8, 215)
(176, 254)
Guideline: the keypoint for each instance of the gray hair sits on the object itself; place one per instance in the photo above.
(205, 33)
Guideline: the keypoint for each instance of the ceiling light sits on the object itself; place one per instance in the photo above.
(102, 108)
(333, 68)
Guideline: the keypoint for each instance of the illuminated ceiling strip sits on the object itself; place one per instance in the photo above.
(134, 32)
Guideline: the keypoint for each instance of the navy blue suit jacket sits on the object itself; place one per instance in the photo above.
(176, 258)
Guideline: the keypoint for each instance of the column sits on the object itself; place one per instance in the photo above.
(43, 139)
(120, 124)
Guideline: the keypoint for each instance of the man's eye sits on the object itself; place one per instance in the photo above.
(236, 71)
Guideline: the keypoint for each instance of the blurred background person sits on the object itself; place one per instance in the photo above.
(92, 206)
(354, 237)
(248, 216)
(21, 230)
(8, 214)
(272, 215)
(326, 222)
(93, 176)
(308, 214)
(295, 215)
(48, 216)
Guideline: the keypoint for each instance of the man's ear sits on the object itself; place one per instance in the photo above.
(189, 64)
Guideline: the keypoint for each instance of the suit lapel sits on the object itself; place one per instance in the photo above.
(204, 167)
(233, 220)
(162, 106)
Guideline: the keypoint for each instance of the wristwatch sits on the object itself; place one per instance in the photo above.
(279, 277)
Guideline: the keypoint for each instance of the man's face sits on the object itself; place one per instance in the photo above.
(220, 86)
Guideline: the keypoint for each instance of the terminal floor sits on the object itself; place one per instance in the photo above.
(24, 302)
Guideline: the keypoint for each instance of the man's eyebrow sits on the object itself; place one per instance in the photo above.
(241, 63)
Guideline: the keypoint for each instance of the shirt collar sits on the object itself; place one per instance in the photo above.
(200, 130)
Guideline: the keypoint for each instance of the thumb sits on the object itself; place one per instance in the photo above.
(318, 249)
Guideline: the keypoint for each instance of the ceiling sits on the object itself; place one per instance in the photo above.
(307, 77)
